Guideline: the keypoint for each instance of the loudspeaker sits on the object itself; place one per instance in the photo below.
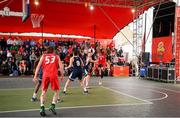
(145, 57)
(150, 72)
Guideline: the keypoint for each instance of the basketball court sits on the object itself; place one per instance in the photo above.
(117, 97)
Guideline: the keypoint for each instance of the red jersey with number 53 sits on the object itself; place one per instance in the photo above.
(50, 65)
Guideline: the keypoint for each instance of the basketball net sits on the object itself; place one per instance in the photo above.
(36, 20)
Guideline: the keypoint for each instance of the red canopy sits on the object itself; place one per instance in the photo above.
(66, 18)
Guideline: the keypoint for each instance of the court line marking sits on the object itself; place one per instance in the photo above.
(10, 89)
(158, 99)
(166, 89)
(150, 87)
(154, 99)
(116, 91)
(93, 106)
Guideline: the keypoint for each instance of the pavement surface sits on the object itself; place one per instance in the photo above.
(163, 99)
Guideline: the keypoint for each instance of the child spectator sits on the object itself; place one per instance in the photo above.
(22, 67)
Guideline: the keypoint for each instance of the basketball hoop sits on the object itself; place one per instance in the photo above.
(36, 20)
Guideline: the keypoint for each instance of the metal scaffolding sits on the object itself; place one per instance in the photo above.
(137, 32)
(114, 3)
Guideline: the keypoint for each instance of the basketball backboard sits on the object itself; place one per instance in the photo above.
(25, 10)
(25, 13)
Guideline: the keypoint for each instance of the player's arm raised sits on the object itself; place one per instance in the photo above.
(37, 69)
(61, 68)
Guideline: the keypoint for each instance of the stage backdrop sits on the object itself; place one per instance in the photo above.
(162, 49)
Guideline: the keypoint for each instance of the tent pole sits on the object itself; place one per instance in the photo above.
(42, 23)
(94, 33)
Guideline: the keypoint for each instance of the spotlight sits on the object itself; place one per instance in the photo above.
(36, 2)
(91, 7)
(86, 4)
(133, 10)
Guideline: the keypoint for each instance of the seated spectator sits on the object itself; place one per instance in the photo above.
(4, 68)
(27, 42)
(46, 42)
(32, 43)
(21, 49)
(1, 56)
(27, 48)
(52, 43)
(3, 43)
(9, 55)
(18, 58)
(14, 48)
(22, 67)
(20, 42)
(12, 68)
(9, 42)
(32, 59)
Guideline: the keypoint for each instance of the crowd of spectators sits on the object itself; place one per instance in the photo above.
(17, 56)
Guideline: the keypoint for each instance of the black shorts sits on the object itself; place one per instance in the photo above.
(76, 74)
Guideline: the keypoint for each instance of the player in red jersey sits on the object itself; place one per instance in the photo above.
(50, 63)
(101, 64)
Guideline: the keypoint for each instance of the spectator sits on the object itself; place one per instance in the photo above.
(9, 55)
(108, 67)
(3, 43)
(15, 41)
(21, 49)
(4, 68)
(22, 67)
(9, 42)
(52, 43)
(20, 42)
(27, 42)
(120, 52)
(46, 42)
(14, 48)
(27, 48)
(18, 58)
(32, 59)
(1, 56)
(11, 66)
(32, 43)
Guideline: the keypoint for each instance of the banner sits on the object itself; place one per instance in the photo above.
(162, 49)
(177, 38)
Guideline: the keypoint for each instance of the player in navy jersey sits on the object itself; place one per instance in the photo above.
(88, 68)
(76, 63)
(37, 85)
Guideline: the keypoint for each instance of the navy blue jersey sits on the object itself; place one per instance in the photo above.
(77, 69)
(89, 65)
(77, 63)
